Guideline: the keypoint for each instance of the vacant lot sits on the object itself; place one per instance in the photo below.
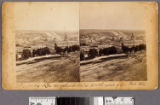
(118, 68)
(53, 69)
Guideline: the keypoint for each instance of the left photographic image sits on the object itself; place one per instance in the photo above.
(45, 41)
(47, 47)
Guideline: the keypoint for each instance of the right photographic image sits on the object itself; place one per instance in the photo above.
(112, 43)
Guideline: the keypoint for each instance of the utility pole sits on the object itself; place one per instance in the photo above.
(66, 39)
(132, 39)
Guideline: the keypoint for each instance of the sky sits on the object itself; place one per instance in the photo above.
(46, 16)
(123, 16)
(70, 16)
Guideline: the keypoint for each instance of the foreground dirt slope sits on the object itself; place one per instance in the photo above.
(126, 68)
(62, 69)
(66, 69)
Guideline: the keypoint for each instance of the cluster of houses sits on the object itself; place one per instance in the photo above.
(91, 50)
(25, 52)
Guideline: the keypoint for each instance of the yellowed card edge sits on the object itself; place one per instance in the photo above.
(7, 86)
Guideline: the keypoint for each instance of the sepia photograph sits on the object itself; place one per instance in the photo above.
(51, 52)
(112, 44)
(59, 46)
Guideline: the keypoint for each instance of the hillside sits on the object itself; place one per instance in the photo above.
(43, 38)
(94, 37)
